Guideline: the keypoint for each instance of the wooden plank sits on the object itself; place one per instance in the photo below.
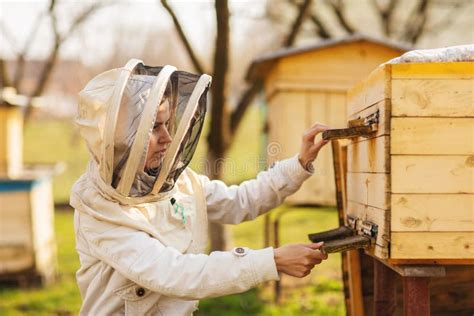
(453, 294)
(432, 136)
(432, 245)
(381, 219)
(339, 154)
(369, 189)
(370, 91)
(355, 283)
(432, 174)
(334, 64)
(445, 98)
(416, 296)
(452, 70)
(383, 107)
(15, 223)
(416, 270)
(443, 262)
(42, 213)
(369, 155)
(385, 290)
(432, 212)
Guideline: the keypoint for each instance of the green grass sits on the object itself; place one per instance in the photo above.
(318, 294)
(56, 142)
(63, 297)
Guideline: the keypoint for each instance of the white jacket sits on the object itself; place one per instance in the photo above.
(140, 246)
(125, 270)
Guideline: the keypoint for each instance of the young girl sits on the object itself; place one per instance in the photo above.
(141, 215)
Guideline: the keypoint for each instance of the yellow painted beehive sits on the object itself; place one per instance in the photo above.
(308, 84)
(414, 176)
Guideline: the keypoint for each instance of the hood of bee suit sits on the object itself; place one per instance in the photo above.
(116, 117)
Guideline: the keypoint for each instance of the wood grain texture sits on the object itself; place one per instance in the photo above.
(432, 212)
(432, 174)
(416, 296)
(435, 98)
(370, 189)
(432, 245)
(369, 155)
(432, 136)
(370, 91)
(449, 70)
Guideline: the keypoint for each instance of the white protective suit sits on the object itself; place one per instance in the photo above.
(141, 235)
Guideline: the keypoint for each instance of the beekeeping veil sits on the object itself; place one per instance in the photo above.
(117, 112)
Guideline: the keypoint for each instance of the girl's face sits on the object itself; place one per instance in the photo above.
(160, 138)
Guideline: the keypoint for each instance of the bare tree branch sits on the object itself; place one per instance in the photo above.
(416, 22)
(321, 30)
(184, 39)
(302, 11)
(385, 13)
(59, 39)
(338, 7)
(218, 136)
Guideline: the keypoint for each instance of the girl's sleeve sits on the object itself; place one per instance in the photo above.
(147, 262)
(237, 203)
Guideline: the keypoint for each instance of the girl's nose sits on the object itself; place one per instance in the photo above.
(166, 137)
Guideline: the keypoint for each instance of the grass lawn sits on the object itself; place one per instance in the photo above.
(318, 294)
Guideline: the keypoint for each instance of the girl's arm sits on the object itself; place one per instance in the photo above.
(237, 203)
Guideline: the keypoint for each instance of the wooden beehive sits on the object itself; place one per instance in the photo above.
(27, 243)
(309, 84)
(414, 177)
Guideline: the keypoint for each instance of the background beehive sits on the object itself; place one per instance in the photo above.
(414, 177)
(27, 243)
(307, 85)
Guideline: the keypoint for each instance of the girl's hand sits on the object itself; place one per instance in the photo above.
(297, 260)
(309, 150)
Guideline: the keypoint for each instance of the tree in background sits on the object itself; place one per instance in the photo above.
(17, 78)
(406, 21)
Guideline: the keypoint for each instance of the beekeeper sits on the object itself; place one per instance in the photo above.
(141, 214)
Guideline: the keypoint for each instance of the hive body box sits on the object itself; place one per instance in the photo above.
(414, 177)
(27, 243)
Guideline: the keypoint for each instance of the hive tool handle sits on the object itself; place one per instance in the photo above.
(364, 127)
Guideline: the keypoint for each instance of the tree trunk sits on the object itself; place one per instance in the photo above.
(219, 133)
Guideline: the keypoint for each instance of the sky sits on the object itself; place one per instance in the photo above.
(17, 17)
(94, 43)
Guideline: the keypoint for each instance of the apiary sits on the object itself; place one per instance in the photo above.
(412, 175)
